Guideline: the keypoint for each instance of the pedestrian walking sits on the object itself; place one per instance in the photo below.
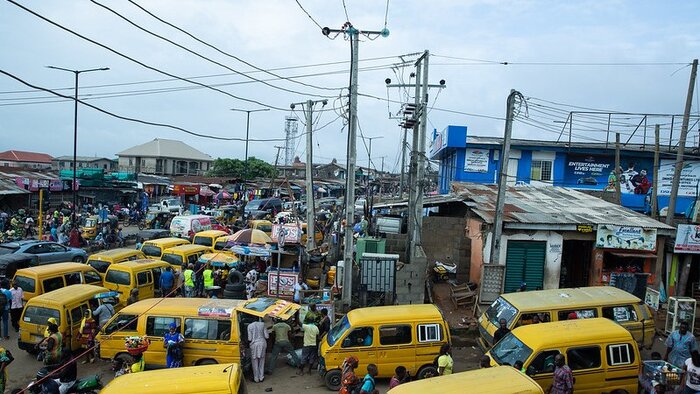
(16, 305)
(400, 376)
(53, 346)
(325, 324)
(679, 345)
(167, 281)
(173, 342)
(282, 343)
(5, 360)
(257, 335)
(103, 313)
(445, 361)
(310, 349)
(563, 380)
(6, 305)
(208, 277)
(368, 384)
(348, 380)
(501, 332)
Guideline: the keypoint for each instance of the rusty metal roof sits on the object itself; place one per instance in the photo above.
(549, 205)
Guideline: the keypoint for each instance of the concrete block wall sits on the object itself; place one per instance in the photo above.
(444, 240)
(410, 281)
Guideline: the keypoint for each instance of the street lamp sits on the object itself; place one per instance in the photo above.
(75, 132)
(247, 131)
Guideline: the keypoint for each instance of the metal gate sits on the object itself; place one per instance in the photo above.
(525, 264)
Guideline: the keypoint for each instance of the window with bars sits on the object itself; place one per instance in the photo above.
(541, 170)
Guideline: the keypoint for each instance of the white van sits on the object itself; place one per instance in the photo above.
(186, 226)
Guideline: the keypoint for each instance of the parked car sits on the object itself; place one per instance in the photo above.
(46, 252)
(215, 225)
(360, 205)
(263, 206)
(147, 235)
(10, 263)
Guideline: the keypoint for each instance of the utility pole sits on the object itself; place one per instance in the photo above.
(418, 112)
(74, 187)
(681, 148)
(310, 203)
(655, 175)
(670, 213)
(618, 174)
(503, 178)
(354, 34)
(369, 150)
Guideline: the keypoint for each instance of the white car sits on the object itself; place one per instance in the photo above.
(360, 204)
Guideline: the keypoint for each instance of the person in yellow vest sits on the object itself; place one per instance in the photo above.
(54, 346)
(208, 275)
(139, 364)
(188, 275)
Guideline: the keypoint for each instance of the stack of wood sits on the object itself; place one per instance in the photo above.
(462, 296)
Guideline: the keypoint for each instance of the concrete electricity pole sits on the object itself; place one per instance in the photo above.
(503, 179)
(655, 175)
(247, 134)
(310, 203)
(354, 34)
(681, 147)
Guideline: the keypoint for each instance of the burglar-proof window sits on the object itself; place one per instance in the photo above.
(541, 170)
(429, 333)
(394, 335)
(621, 354)
(583, 357)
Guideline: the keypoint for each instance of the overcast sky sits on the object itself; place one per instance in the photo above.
(468, 39)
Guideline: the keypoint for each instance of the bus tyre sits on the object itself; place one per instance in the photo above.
(238, 287)
(332, 379)
(427, 371)
(235, 277)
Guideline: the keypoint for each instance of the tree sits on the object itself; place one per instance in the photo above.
(236, 168)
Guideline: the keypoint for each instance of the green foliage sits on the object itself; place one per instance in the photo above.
(236, 168)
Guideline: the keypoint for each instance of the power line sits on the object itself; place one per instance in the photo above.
(309, 15)
(369, 68)
(347, 18)
(435, 108)
(134, 119)
(141, 63)
(226, 53)
(386, 14)
(507, 63)
(159, 90)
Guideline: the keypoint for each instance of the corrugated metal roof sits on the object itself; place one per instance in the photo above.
(550, 205)
(9, 187)
(12, 173)
(161, 147)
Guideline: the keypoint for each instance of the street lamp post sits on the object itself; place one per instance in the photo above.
(369, 151)
(247, 132)
(75, 133)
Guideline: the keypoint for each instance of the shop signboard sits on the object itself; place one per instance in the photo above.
(690, 178)
(292, 233)
(439, 142)
(476, 160)
(55, 185)
(610, 236)
(687, 239)
(287, 282)
(186, 189)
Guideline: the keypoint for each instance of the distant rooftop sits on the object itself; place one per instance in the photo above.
(22, 156)
(161, 147)
(80, 158)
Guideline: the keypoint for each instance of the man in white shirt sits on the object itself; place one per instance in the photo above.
(17, 305)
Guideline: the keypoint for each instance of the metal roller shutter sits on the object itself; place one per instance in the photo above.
(524, 263)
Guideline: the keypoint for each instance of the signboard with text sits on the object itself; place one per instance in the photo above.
(690, 176)
(687, 239)
(597, 172)
(292, 233)
(610, 236)
(476, 160)
(287, 282)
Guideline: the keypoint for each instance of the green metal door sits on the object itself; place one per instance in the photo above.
(524, 263)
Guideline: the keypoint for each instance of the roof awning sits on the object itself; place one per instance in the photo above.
(640, 255)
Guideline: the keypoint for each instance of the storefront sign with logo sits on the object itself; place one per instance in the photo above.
(584, 228)
(476, 160)
(292, 233)
(186, 189)
(611, 236)
(687, 239)
(287, 282)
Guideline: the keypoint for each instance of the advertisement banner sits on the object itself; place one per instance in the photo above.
(439, 142)
(687, 239)
(185, 189)
(476, 160)
(292, 233)
(287, 282)
(610, 236)
(55, 185)
(690, 176)
(598, 173)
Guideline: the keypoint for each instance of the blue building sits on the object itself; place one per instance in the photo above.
(588, 167)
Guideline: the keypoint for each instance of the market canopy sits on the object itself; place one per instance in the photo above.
(249, 236)
(256, 251)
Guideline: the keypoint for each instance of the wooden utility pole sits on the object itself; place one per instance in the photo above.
(618, 173)
(503, 179)
(655, 176)
(681, 147)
